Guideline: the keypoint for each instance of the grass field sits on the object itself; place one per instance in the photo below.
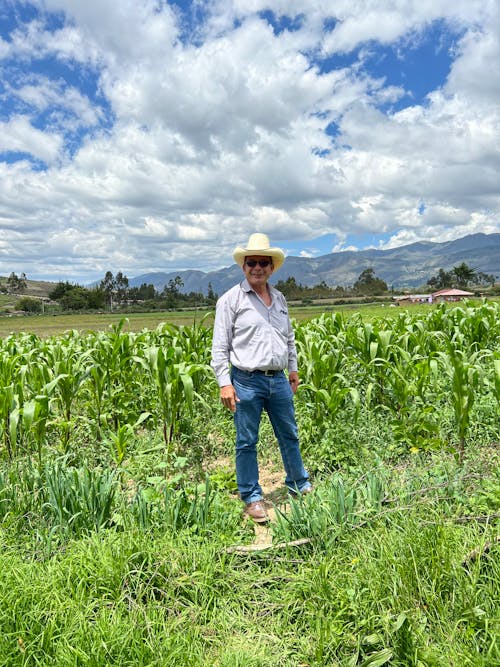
(48, 325)
(123, 540)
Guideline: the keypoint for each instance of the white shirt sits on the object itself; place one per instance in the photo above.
(250, 335)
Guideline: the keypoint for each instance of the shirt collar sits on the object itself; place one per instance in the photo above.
(245, 286)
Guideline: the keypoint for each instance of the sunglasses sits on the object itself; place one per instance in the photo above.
(252, 263)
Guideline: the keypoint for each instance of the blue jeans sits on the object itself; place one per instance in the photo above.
(273, 394)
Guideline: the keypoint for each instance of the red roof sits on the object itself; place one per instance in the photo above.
(452, 292)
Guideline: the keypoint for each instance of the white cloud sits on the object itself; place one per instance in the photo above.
(221, 131)
(20, 136)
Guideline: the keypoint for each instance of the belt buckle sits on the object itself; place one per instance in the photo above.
(269, 373)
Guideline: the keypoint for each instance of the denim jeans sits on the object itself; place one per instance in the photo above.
(259, 392)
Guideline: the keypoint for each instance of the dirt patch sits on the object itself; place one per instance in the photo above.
(271, 478)
(219, 463)
(263, 533)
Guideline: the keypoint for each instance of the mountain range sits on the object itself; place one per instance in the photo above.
(408, 266)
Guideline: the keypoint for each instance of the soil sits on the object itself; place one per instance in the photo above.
(271, 478)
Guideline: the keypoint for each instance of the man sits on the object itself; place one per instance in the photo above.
(253, 344)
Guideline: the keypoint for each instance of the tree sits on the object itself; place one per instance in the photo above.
(143, 293)
(75, 299)
(485, 279)
(16, 283)
(368, 283)
(60, 290)
(442, 280)
(29, 305)
(171, 291)
(211, 296)
(121, 286)
(108, 286)
(459, 276)
(96, 299)
(289, 287)
(464, 274)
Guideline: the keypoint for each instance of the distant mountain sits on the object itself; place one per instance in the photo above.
(403, 267)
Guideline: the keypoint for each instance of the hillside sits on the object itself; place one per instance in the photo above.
(403, 267)
(407, 266)
(34, 288)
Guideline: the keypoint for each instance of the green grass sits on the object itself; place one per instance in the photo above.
(117, 553)
(49, 325)
(6, 301)
(398, 590)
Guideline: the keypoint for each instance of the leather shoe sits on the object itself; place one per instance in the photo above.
(257, 511)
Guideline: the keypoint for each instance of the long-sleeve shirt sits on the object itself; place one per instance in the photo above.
(250, 335)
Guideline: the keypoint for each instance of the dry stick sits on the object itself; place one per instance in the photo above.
(255, 548)
(426, 489)
(482, 518)
(252, 548)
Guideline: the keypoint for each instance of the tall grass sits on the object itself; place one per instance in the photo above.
(395, 591)
(116, 552)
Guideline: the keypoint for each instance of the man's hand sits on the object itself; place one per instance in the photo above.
(293, 379)
(228, 397)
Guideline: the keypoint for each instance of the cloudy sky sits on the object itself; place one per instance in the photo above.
(146, 135)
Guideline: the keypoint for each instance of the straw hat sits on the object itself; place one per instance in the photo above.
(258, 244)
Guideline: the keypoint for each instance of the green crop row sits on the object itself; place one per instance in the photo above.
(411, 369)
(108, 384)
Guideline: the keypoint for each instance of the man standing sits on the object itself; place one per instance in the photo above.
(253, 344)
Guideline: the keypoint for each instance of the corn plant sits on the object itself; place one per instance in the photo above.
(496, 381)
(12, 391)
(173, 382)
(116, 389)
(69, 370)
(119, 440)
(36, 415)
(465, 375)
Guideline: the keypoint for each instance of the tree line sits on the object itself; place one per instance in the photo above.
(114, 292)
(368, 284)
(14, 284)
(461, 276)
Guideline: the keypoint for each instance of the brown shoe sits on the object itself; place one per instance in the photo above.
(257, 511)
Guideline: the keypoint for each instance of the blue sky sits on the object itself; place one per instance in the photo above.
(146, 135)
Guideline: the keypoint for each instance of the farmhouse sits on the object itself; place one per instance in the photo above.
(435, 297)
(450, 295)
(413, 298)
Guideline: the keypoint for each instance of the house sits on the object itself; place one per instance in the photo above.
(412, 298)
(450, 295)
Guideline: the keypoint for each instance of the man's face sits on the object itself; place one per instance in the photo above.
(258, 270)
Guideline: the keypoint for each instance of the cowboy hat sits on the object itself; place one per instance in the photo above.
(258, 244)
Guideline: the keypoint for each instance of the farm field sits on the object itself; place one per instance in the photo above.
(122, 536)
(47, 325)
